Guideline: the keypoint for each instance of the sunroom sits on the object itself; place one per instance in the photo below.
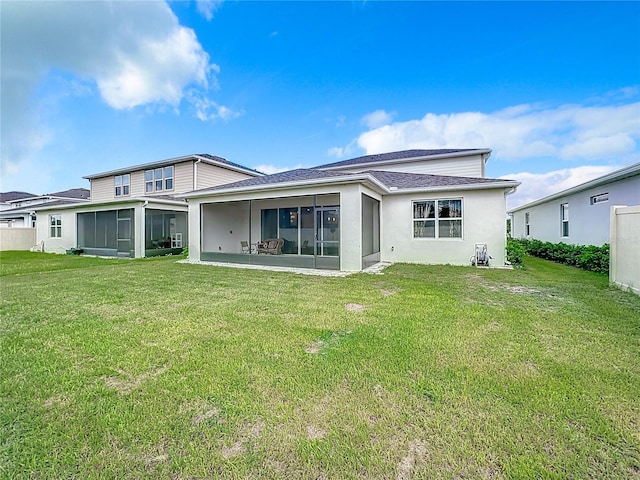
(334, 228)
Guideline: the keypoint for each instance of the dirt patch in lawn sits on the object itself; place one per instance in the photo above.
(125, 386)
(248, 433)
(355, 307)
(321, 345)
(416, 455)
(315, 433)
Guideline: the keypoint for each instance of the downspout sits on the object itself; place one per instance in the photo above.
(143, 225)
(195, 174)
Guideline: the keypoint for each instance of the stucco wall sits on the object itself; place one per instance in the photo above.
(588, 224)
(484, 221)
(624, 269)
(16, 238)
(53, 244)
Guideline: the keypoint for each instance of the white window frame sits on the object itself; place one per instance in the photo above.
(600, 198)
(122, 185)
(436, 219)
(159, 179)
(527, 225)
(55, 225)
(564, 220)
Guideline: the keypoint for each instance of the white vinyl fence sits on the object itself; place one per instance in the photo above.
(624, 266)
(17, 238)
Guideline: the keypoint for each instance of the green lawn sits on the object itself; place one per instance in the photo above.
(155, 369)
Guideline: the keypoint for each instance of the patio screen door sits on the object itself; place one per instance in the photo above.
(328, 231)
(124, 233)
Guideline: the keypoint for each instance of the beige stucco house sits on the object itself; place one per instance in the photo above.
(424, 206)
(135, 211)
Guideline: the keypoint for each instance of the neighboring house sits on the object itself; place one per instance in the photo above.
(18, 208)
(135, 211)
(423, 206)
(579, 215)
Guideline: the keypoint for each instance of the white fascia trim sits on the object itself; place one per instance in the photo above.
(124, 202)
(630, 171)
(485, 152)
(449, 188)
(352, 178)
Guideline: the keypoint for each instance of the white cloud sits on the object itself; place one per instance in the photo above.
(377, 118)
(522, 131)
(133, 53)
(206, 109)
(207, 7)
(271, 169)
(535, 186)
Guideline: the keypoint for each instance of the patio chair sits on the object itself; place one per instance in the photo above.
(245, 247)
(273, 246)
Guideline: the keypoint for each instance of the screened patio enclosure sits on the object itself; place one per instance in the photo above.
(309, 230)
(112, 233)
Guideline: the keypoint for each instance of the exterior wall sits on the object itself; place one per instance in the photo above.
(624, 267)
(43, 234)
(207, 175)
(588, 224)
(102, 189)
(483, 221)
(211, 175)
(17, 238)
(469, 166)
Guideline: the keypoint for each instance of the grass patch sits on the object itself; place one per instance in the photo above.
(154, 369)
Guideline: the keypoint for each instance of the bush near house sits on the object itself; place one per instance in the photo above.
(586, 257)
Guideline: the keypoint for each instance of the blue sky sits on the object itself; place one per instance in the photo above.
(553, 88)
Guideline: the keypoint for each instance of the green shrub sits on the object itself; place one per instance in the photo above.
(515, 252)
(586, 257)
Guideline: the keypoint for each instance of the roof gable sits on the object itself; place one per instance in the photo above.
(395, 157)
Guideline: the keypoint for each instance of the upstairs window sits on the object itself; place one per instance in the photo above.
(437, 218)
(158, 179)
(564, 219)
(122, 183)
(55, 225)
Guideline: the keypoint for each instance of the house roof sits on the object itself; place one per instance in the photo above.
(397, 157)
(19, 211)
(13, 195)
(78, 193)
(387, 182)
(410, 181)
(212, 159)
(626, 172)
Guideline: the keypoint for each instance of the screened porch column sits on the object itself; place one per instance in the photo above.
(350, 228)
(195, 229)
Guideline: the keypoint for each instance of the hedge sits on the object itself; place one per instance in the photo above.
(586, 257)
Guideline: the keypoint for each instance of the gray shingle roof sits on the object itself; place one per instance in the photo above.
(13, 195)
(402, 180)
(391, 180)
(382, 157)
(298, 175)
(81, 193)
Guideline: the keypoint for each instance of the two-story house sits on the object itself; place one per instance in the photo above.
(421, 206)
(17, 209)
(134, 211)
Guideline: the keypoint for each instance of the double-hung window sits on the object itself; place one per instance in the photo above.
(158, 179)
(122, 183)
(527, 228)
(437, 218)
(55, 225)
(564, 219)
